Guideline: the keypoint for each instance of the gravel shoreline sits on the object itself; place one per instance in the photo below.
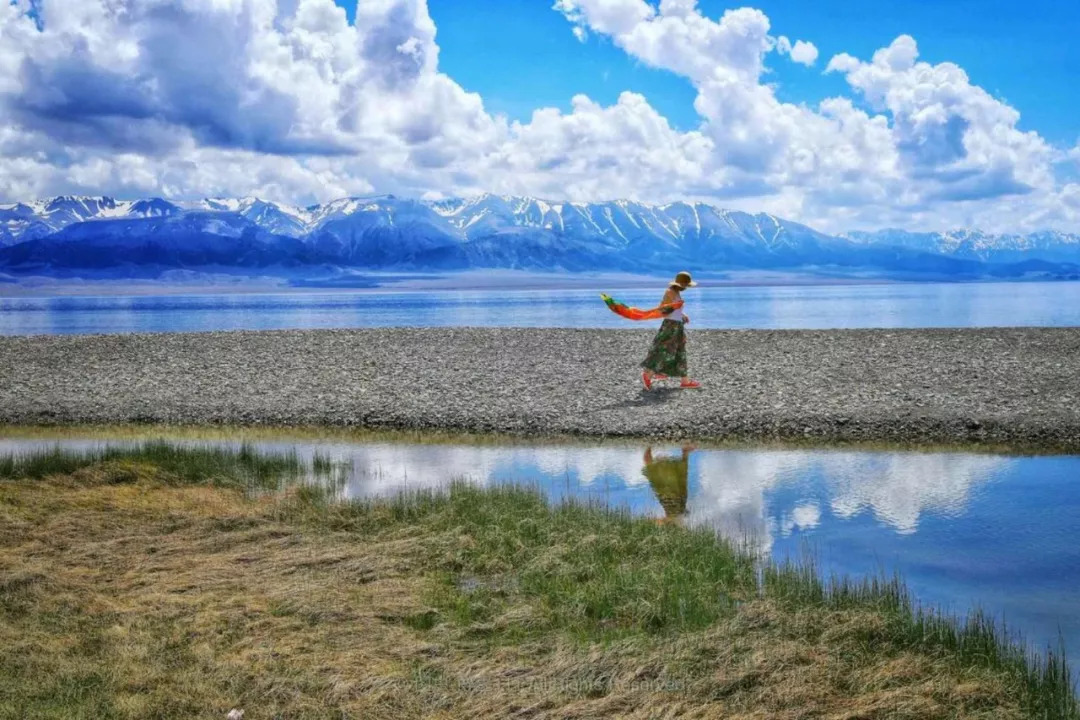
(1010, 386)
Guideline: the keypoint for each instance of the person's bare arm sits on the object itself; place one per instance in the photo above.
(670, 296)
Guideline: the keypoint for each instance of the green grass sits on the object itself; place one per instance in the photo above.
(974, 641)
(501, 569)
(216, 466)
(600, 574)
(322, 465)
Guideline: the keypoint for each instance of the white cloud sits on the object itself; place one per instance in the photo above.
(677, 37)
(804, 52)
(1070, 196)
(584, 154)
(842, 63)
(1074, 154)
(946, 129)
(295, 92)
(760, 144)
(801, 52)
(287, 100)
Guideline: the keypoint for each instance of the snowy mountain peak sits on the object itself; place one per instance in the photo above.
(275, 217)
(152, 207)
(79, 200)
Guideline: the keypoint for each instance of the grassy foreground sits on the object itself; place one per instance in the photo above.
(150, 583)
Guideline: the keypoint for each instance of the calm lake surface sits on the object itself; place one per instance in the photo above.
(964, 530)
(809, 307)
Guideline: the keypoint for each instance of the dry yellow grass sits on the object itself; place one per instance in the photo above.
(137, 599)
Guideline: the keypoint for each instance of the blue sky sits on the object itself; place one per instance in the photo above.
(928, 115)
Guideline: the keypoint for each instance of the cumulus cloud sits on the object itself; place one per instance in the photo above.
(240, 76)
(288, 100)
(802, 52)
(1070, 196)
(758, 140)
(947, 129)
(932, 145)
(583, 153)
(1074, 154)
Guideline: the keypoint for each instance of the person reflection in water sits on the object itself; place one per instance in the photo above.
(668, 477)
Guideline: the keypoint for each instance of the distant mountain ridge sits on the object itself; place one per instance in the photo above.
(977, 245)
(69, 233)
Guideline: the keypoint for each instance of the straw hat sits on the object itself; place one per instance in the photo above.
(683, 279)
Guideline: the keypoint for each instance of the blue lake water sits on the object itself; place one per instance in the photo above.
(964, 530)
(811, 307)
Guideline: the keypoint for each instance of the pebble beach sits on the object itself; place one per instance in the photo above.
(1015, 386)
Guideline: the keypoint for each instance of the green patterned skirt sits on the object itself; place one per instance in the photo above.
(668, 353)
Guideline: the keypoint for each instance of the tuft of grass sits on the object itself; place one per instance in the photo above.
(243, 468)
(1044, 679)
(322, 465)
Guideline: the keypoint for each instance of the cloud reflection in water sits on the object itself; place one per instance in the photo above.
(728, 489)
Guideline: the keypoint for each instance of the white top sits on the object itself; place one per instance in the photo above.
(676, 315)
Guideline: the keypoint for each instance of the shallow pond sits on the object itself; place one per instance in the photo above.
(963, 529)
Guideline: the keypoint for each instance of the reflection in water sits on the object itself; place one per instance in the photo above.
(730, 494)
(669, 478)
(803, 517)
(379, 469)
(898, 488)
(729, 490)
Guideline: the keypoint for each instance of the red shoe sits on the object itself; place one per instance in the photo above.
(690, 384)
(646, 380)
(658, 376)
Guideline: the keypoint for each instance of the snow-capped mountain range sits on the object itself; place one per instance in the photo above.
(66, 234)
(977, 245)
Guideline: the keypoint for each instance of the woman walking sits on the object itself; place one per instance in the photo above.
(667, 357)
